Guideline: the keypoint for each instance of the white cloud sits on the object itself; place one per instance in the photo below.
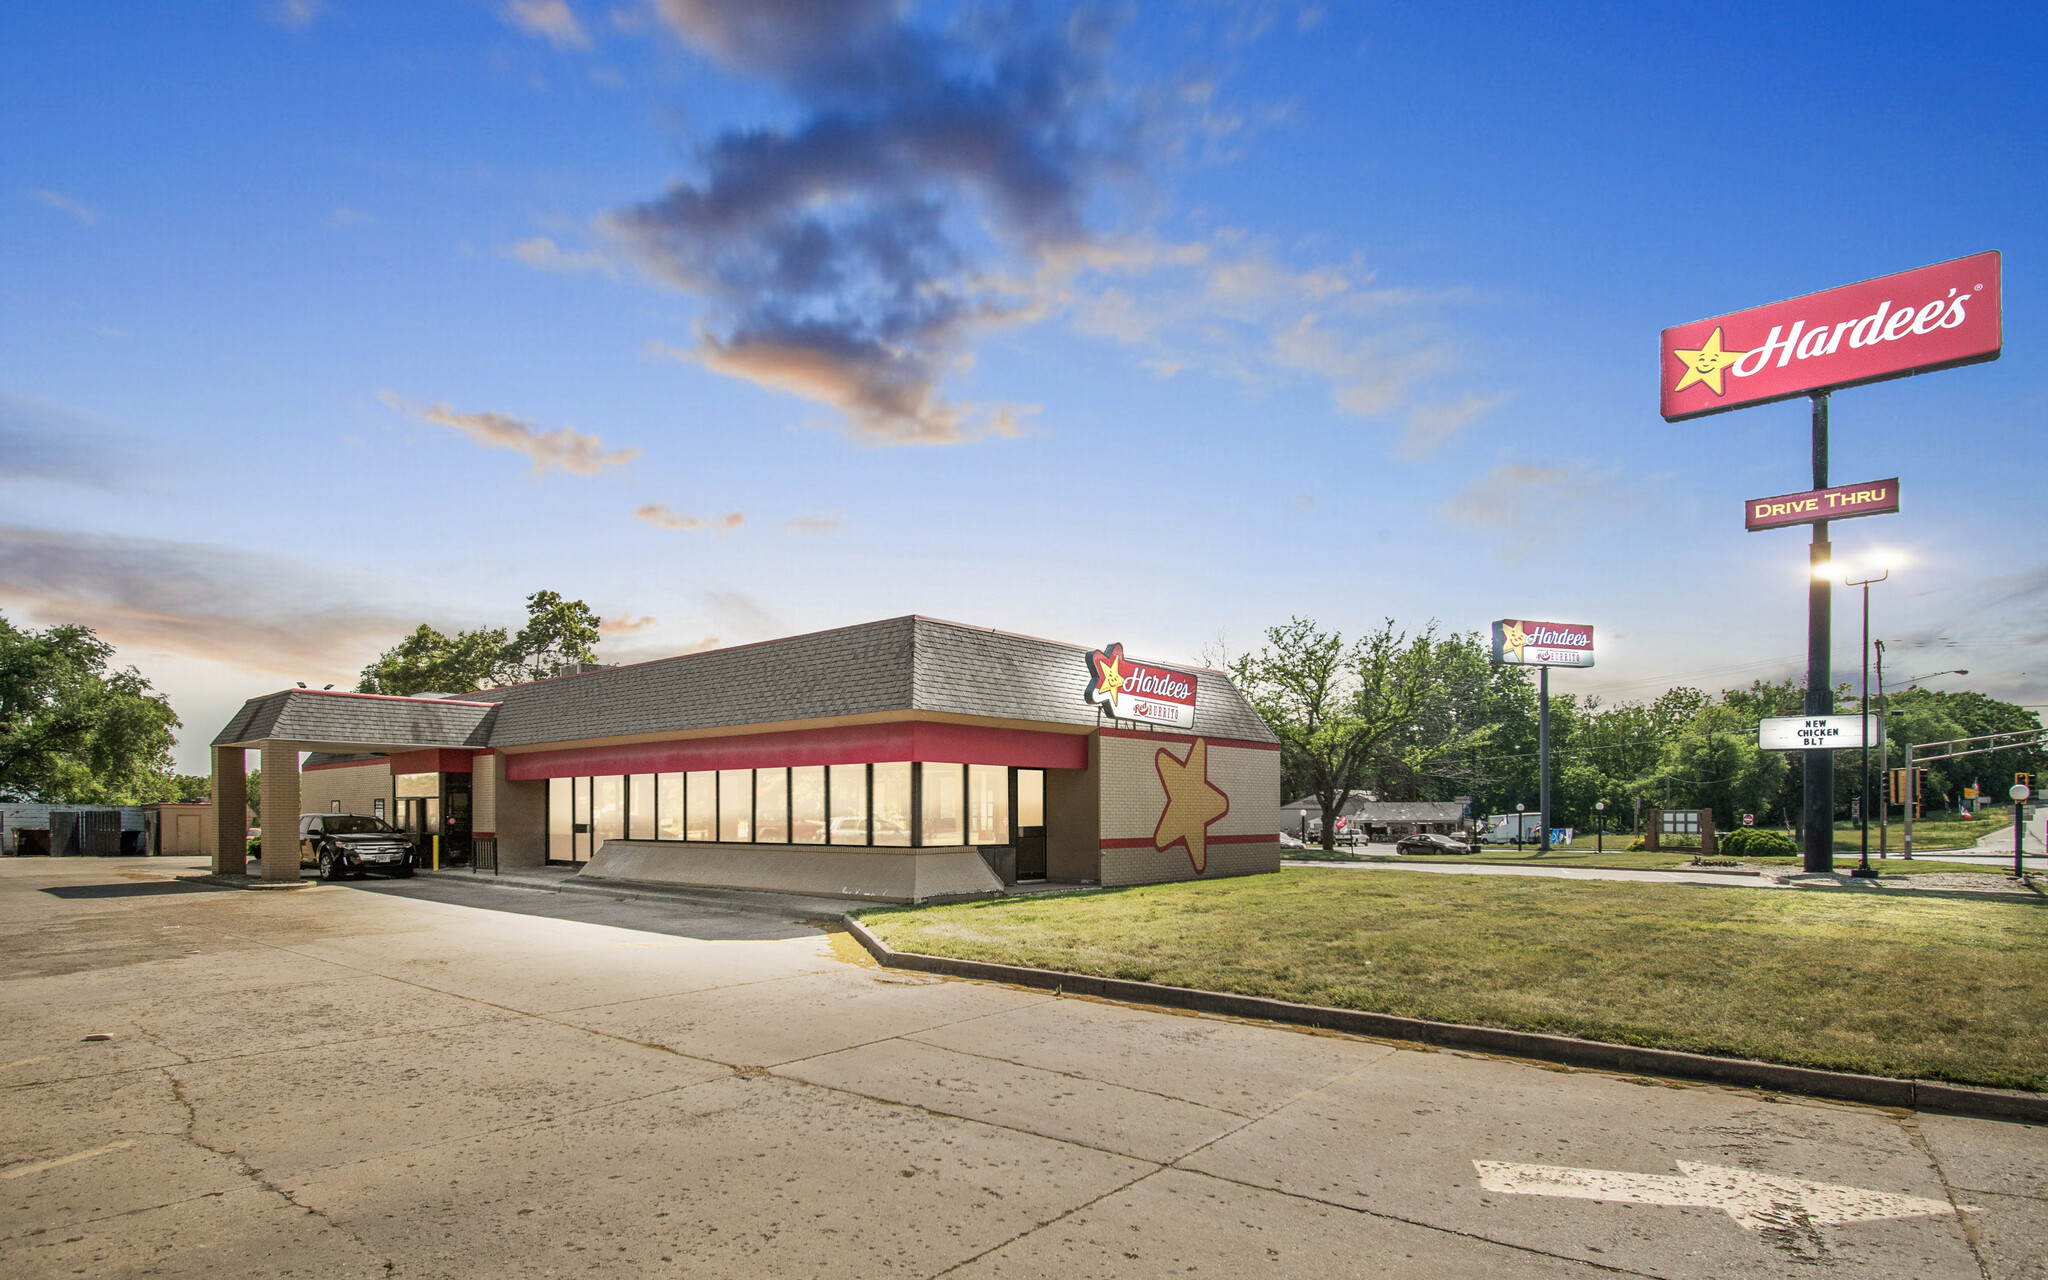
(658, 515)
(1429, 425)
(579, 453)
(550, 20)
(78, 209)
(543, 254)
(295, 15)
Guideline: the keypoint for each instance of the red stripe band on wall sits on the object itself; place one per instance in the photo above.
(845, 744)
(378, 761)
(1242, 743)
(432, 760)
(1145, 842)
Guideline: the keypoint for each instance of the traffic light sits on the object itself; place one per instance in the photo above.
(1905, 790)
(2024, 779)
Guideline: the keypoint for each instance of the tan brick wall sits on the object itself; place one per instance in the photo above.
(1073, 819)
(281, 810)
(483, 794)
(228, 839)
(357, 786)
(1133, 798)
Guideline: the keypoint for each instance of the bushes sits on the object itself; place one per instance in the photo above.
(1757, 842)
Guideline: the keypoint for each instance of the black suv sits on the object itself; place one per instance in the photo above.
(350, 844)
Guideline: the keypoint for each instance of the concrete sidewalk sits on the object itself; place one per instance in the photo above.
(410, 1079)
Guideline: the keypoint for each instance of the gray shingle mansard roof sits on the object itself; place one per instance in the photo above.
(344, 719)
(896, 665)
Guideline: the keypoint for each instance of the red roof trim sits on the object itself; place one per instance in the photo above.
(1152, 735)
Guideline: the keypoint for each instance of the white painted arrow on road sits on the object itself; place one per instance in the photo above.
(1755, 1200)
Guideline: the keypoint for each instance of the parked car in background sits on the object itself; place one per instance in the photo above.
(1429, 843)
(353, 844)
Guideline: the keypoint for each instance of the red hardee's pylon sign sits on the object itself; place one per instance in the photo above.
(1934, 317)
(1917, 321)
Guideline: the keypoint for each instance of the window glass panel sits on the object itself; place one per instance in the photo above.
(580, 813)
(640, 806)
(560, 847)
(988, 804)
(701, 822)
(1030, 797)
(807, 804)
(892, 803)
(849, 804)
(670, 792)
(771, 806)
(417, 785)
(944, 787)
(607, 810)
(736, 805)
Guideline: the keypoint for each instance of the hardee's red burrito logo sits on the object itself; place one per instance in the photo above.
(1917, 321)
(1130, 690)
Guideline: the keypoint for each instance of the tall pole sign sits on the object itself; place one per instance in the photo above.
(1933, 317)
(1543, 645)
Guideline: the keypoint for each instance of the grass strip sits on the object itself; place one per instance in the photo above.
(1942, 989)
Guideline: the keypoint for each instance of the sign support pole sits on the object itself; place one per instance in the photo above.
(1543, 752)
(1818, 809)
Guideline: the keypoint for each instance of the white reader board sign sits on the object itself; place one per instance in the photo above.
(1800, 733)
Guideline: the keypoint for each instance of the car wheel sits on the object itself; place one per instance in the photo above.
(328, 871)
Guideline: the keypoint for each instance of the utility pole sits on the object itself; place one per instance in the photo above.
(1543, 753)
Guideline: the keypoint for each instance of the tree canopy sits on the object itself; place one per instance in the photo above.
(1432, 718)
(557, 631)
(74, 732)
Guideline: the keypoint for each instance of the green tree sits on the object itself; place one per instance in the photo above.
(429, 662)
(1384, 707)
(557, 631)
(72, 731)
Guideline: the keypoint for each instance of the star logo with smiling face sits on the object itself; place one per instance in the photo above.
(1193, 804)
(1706, 364)
(1106, 677)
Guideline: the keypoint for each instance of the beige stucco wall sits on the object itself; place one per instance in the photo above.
(357, 786)
(185, 828)
(483, 794)
(1134, 799)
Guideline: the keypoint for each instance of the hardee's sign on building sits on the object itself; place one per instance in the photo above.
(1917, 321)
(1130, 690)
(1542, 644)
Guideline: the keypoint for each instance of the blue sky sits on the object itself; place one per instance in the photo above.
(1154, 323)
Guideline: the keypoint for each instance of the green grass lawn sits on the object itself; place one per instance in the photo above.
(1618, 857)
(1953, 989)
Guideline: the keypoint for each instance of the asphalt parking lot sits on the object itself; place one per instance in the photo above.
(432, 1079)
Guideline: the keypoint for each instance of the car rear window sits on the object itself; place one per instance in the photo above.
(355, 824)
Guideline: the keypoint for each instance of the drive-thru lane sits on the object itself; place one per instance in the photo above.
(426, 1079)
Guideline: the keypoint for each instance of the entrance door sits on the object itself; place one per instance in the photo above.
(455, 824)
(1030, 810)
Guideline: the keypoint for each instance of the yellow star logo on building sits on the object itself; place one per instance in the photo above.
(1193, 803)
(1706, 363)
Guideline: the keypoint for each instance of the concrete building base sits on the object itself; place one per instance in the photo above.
(872, 875)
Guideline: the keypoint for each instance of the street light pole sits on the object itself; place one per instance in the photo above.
(1600, 816)
(2019, 794)
(1884, 762)
(1863, 869)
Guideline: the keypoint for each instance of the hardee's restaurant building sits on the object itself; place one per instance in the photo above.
(894, 761)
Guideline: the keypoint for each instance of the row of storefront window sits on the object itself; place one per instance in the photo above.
(898, 804)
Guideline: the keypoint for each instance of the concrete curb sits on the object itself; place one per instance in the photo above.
(1882, 1091)
(742, 901)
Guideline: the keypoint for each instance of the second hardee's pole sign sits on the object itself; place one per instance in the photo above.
(1934, 317)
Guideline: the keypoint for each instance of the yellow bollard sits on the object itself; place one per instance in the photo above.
(436, 838)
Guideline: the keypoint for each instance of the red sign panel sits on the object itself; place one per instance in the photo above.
(1876, 498)
(1132, 690)
(1542, 644)
(1914, 322)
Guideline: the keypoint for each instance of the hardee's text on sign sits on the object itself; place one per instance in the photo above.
(1130, 690)
(1542, 644)
(1874, 498)
(1917, 321)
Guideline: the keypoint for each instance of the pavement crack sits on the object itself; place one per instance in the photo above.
(255, 1176)
(1036, 1227)
(1972, 1237)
